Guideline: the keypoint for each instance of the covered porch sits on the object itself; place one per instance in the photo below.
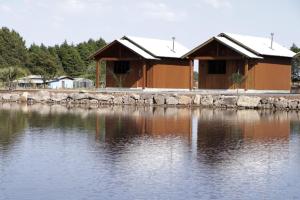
(218, 61)
(124, 67)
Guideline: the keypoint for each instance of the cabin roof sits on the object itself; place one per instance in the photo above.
(60, 78)
(249, 46)
(227, 43)
(157, 47)
(149, 48)
(136, 49)
(259, 45)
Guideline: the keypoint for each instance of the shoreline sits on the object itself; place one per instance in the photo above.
(94, 99)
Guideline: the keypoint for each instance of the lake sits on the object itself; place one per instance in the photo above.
(52, 152)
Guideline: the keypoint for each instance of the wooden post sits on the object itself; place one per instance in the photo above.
(199, 74)
(144, 75)
(97, 73)
(246, 73)
(191, 74)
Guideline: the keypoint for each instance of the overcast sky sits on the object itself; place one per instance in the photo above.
(190, 21)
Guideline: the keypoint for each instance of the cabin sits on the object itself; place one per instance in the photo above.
(31, 81)
(62, 82)
(261, 63)
(135, 62)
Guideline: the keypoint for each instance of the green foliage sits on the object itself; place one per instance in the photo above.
(42, 62)
(294, 48)
(196, 76)
(12, 48)
(295, 63)
(71, 61)
(64, 59)
(10, 73)
(237, 79)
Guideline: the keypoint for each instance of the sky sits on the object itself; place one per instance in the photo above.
(190, 21)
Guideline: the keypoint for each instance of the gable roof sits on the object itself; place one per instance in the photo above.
(249, 46)
(149, 48)
(158, 48)
(259, 45)
(227, 43)
(136, 49)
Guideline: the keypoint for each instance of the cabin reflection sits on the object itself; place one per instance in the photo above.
(154, 122)
(225, 131)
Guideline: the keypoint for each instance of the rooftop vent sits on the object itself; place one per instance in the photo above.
(173, 44)
(272, 38)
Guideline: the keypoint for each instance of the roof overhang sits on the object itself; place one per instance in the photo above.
(297, 55)
(132, 47)
(235, 47)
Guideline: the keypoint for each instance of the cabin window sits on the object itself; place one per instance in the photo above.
(121, 67)
(217, 67)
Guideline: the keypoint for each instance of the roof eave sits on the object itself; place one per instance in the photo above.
(212, 39)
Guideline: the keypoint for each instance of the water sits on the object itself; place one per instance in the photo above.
(147, 153)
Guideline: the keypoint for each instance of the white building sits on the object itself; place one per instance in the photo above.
(62, 82)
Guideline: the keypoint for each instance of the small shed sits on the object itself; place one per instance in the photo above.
(263, 63)
(30, 81)
(62, 82)
(83, 83)
(135, 62)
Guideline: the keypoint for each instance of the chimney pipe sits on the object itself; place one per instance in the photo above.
(272, 38)
(173, 45)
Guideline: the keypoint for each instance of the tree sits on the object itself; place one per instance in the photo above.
(294, 48)
(71, 61)
(10, 73)
(13, 51)
(41, 62)
(295, 63)
(237, 80)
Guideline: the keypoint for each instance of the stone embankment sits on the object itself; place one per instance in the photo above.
(153, 99)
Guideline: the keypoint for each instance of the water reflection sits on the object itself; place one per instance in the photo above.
(137, 153)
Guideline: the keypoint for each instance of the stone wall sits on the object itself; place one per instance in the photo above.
(153, 99)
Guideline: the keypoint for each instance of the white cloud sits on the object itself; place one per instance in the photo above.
(161, 11)
(218, 3)
(73, 6)
(5, 8)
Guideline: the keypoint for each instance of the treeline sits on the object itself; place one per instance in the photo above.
(295, 63)
(16, 60)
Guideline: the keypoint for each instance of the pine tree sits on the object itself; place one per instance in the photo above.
(41, 62)
(71, 60)
(13, 51)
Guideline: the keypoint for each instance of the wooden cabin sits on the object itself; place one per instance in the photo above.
(133, 62)
(261, 63)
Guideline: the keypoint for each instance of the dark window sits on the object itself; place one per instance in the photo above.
(217, 67)
(121, 67)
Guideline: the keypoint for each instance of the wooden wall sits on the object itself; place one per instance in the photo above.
(133, 79)
(168, 74)
(219, 81)
(271, 73)
(160, 74)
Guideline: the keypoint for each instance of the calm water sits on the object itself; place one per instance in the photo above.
(149, 153)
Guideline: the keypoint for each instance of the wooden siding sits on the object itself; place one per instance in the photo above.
(133, 79)
(159, 74)
(218, 81)
(169, 74)
(271, 73)
(214, 50)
